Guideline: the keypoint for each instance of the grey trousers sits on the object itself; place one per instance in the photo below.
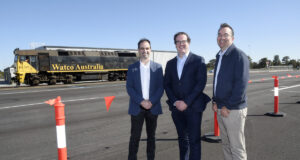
(232, 134)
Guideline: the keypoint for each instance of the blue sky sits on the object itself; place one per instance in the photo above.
(263, 28)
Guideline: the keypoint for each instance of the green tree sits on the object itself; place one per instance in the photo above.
(262, 62)
(285, 60)
(276, 60)
(1, 74)
(211, 64)
(255, 65)
(250, 59)
(293, 62)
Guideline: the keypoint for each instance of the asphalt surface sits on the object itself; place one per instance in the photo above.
(27, 124)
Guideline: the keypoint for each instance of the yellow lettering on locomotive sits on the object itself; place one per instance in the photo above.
(99, 66)
(77, 67)
(55, 66)
(86, 67)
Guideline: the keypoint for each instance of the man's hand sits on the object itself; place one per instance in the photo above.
(225, 112)
(181, 105)
(146, 104)
(214, 106)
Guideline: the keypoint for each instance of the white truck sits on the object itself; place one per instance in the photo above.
(9, 75)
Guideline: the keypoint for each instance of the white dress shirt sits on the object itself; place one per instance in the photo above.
(218, 68)
(145, 79)
(180, 63)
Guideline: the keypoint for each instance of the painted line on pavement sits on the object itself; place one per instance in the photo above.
(65, 101)
(52, 90)
(24, 105)
(289, 87)
(292, 91)
(294, 86)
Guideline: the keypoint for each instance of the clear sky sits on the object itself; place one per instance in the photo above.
(263, 28)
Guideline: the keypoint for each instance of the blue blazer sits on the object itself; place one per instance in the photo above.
(233, 79)
(190, 86)
(134, 88)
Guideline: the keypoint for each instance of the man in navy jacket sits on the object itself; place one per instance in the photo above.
(184, 82)
(229, 94)
(145, 88)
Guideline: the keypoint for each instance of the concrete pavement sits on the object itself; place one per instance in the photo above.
(28, 127)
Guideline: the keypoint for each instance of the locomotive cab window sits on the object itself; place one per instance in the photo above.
(32, 61)
(63, 53)
(126, 54)
(16, 58)
(29, 59)
(22, 58)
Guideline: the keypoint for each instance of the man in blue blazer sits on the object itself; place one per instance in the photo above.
(145, 89)
(184, 82)
(230, 94)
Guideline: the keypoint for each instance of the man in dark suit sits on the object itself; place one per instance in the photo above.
(184, 82)
(145, 89)
(229, 94)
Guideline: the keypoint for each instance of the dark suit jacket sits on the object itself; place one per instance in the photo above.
(134, 88)
(190, 86)
(232, 79)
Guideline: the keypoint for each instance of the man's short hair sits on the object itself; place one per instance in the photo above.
(223, 25)
(144, 40)
(182, 33)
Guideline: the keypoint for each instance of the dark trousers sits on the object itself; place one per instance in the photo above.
(188, 126)
(136, 130)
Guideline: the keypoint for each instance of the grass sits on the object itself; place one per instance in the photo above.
(1, 74)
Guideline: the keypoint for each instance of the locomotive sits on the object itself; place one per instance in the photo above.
(52, 64)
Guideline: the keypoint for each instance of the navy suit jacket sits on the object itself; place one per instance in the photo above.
(190, 86)
(233, 79)
(134, 88)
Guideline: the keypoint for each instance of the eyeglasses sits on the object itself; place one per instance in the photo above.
(181, 42)
(223, 35)
(144, 48)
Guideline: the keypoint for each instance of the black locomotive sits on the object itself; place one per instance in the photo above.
(51, 64)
